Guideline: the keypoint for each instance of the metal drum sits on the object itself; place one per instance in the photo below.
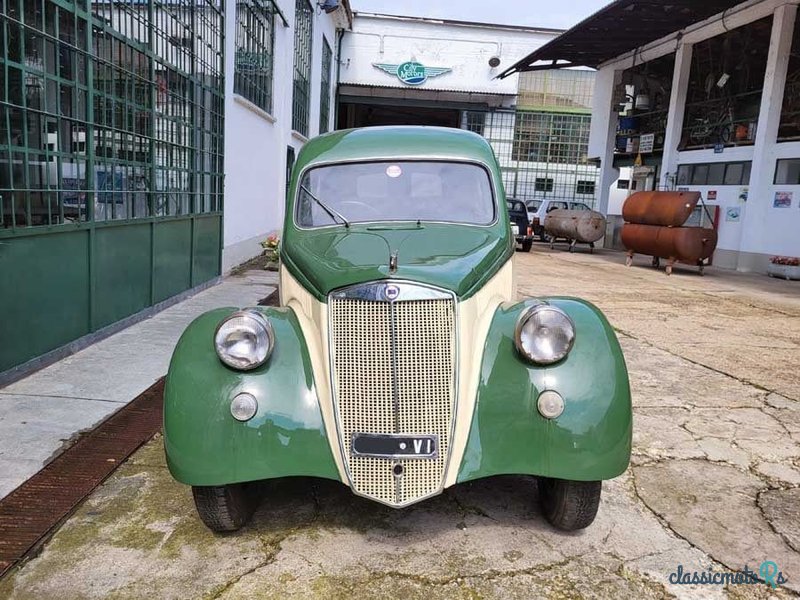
(576, 226)
(667, 209)
(690, 245)
(654, 226)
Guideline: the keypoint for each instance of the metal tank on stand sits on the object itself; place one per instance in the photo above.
(655, 226)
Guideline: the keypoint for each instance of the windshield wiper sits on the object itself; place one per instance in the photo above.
(331, 212)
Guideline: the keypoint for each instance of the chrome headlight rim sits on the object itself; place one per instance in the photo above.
(262, 322)
(523, 319)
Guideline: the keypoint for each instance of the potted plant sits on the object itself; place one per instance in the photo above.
(271, 251)
(786, 267)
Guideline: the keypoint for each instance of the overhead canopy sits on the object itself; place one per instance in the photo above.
(618, 28)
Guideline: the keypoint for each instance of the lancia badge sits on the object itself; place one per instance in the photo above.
(391, 292)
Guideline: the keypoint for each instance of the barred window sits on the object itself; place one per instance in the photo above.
(543, 184)
(551, 138)
(113, 116)
(474, 121)
(255, 40)
(584, 187)
(303, 36)
(325, 92)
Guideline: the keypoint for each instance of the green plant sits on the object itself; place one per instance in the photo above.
(271, 245)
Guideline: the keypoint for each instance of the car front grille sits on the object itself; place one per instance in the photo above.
(393, 367)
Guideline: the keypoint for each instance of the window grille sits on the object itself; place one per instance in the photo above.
(255, 42)
(303, 36)
(325, 88)
(112, 115)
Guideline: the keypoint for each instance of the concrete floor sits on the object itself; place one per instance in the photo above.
(40, 414)
(714, 483)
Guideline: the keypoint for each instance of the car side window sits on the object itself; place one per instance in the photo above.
(554, 205)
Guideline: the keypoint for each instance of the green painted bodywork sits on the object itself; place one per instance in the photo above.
(456, 257)
(205, 445)
(590, 441)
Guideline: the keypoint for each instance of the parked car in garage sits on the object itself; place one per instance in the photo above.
(538, 209)
(520, 225)
(400, 361)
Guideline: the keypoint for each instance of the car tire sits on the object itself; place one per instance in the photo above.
(527, 245)
(226, 508)
(569, 505)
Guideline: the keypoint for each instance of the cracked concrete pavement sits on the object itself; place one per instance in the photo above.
(714, 482)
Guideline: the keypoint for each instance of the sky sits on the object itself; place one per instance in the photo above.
(535, 13)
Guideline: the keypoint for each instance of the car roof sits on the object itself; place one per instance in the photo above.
(396, 143)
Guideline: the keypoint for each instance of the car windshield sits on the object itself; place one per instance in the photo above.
(534, 205)
(395, 191)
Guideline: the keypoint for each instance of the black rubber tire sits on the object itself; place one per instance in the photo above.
(226, 508)
(527, 245)
(569, 505)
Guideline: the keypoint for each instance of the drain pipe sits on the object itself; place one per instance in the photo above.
(340, 37)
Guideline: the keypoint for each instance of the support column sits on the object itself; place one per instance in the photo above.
(677, 111)
(603, 132)
(758, 204)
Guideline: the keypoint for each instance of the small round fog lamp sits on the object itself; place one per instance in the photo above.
(244, 407)
(550, 404)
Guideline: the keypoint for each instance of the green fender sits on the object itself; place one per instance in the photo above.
(205, 445)
(590, 441)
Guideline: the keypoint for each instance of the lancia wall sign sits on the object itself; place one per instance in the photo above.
(412, 73)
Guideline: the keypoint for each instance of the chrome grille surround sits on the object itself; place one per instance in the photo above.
(393, 354)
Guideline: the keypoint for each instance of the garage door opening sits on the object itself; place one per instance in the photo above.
(371, 115)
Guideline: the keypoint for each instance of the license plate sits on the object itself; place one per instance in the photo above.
(515, 229)
(390, 445)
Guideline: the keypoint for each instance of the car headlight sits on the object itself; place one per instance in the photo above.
(244, 340)
(544, 334)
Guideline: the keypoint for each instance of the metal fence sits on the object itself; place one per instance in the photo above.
(542, 144)
(541, 154)
(111, 161)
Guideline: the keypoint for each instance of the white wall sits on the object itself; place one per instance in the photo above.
(256, 142)
(464, 48)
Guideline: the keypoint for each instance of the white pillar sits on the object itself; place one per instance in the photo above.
(602, 136)
(677, 111)
(753, 231)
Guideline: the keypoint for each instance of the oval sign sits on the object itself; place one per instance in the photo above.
(412, 73)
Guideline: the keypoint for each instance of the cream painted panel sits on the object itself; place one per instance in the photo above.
(474, 319)
(313, 318)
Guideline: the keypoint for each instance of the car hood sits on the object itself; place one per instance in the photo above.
(459, 258)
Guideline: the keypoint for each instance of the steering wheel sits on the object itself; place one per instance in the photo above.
(360, 205)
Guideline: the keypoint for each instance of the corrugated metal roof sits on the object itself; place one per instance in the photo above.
(620, 27)
(458, 23)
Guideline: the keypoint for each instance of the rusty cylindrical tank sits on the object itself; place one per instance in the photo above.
(583, 226)
(654, 226)
(667, 209)
(690, 245)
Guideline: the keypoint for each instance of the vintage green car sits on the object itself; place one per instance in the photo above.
(400, 361)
